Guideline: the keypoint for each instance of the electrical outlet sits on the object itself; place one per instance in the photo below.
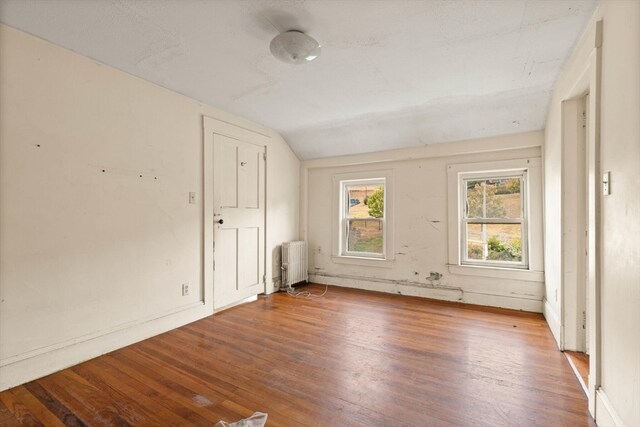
(185, 289)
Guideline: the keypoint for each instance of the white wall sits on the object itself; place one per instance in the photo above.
(420, 223)
(92, 254)
(618, 398)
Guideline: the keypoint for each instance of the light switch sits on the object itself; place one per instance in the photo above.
(606, 188)
(192, 198)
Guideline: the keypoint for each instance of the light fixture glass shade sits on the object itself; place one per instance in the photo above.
(295, 47)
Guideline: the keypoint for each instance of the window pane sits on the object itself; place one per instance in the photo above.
(475, 192)
(365, 236)
(494, 242)
(475, 243)
(503, 198)
(365, 201)
(494, 198)
(504, 242)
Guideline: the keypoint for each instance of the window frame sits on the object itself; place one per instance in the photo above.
(523, 221)
(344, 218)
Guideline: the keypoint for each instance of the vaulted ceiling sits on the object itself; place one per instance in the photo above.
(392, 73)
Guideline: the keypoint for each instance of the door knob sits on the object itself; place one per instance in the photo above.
(220, 221)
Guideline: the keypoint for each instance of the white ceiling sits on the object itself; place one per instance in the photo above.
(392, 73)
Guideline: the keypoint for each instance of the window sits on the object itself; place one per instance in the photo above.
(493, 219)
(362, 219)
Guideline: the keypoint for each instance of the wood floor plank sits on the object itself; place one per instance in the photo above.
(581, 363)
(6, 417)
(53, 405)
(185, 397)
(37, 409)
(20, 412)
(89, 404)
(352, 358)
(134, 406)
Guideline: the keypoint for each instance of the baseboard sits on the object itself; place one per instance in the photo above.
(25, 369)
(447, 294)
(553, 320)
(502, 301)
(606, 415)
(425, 291)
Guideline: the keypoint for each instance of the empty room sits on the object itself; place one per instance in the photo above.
(239, 213)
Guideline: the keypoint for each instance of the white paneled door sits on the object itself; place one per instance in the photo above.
(239, 220)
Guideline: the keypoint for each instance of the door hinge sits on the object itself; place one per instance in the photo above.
(264, 279)
(264, 156)
(584, 320)
(214, 264)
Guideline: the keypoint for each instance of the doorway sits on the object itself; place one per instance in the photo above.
(576, 235)
(235, 178)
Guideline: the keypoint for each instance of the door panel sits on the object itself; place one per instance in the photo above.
(251, 268)
(238, 201)
(229, 175)
(249, 170)
(228, 258)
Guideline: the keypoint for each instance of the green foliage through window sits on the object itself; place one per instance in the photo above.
(375, 202)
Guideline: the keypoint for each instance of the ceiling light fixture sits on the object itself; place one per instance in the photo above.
(295, 47)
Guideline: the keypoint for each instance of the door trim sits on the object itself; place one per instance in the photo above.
(588, 82)
(210, 127)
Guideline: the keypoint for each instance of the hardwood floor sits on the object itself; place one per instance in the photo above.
(580, 363)
(351, 358)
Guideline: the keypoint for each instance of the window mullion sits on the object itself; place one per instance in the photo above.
(495, 220)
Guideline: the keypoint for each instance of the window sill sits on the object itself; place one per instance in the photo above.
(499, 273)
(368, 262)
